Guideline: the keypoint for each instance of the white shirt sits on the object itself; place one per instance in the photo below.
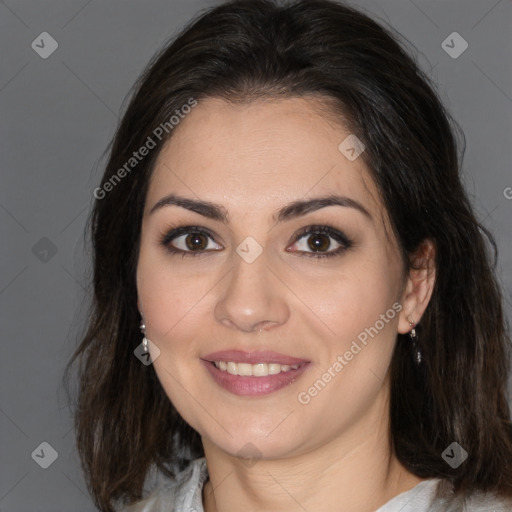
(184, 494)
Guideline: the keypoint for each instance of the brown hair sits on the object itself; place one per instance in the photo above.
(241, 50)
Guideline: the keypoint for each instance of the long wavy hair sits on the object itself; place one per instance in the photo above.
(240, 51)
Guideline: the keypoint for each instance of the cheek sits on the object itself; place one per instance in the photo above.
(361, 311)
(166, 290)
(352, 298)
(167, 300)
(172, 308)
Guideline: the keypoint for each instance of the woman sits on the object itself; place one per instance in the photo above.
(294, 305)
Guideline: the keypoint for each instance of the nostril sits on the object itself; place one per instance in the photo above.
(264, 325)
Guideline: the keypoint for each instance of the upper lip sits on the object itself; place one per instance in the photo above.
(253, 357)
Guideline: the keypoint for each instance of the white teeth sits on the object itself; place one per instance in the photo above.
(244, 369)
(260, 369)
(232, 369)
(274, 368)
(256, 370)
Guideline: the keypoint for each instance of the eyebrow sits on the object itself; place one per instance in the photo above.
(293, 210)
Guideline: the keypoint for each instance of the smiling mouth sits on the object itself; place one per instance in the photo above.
(253, 373)
(254, 370)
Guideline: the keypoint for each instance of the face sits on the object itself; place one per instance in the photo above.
(242, 258)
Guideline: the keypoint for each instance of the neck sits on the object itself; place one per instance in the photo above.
(356, 469)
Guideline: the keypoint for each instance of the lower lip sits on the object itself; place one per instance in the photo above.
(253, 386)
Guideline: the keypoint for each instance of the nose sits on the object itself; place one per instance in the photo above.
(252, 298)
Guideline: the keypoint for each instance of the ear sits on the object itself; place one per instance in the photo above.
(419, 286)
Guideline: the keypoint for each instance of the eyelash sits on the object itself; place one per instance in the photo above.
(345, 243)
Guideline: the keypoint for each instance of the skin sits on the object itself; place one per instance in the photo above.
(253, 160)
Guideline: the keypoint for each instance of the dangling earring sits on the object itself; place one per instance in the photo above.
(414, 339)
(144, 340)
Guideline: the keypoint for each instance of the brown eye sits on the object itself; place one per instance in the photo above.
(189, 240)
(317, 242)
(196, 241)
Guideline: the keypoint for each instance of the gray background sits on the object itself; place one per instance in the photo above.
(57, 117)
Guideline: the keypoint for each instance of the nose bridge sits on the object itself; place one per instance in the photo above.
(252, 296)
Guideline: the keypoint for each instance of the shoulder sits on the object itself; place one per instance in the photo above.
(485, 502)
(476, 501)
(436, 495)
(184, 492)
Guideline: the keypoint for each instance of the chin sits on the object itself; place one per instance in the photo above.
(256, 445)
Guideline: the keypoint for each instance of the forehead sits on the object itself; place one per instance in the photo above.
(260, 155)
